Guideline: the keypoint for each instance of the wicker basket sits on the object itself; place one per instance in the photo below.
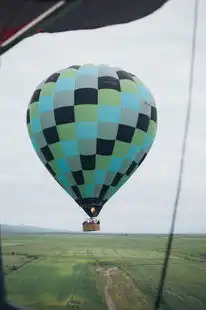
(91, 226)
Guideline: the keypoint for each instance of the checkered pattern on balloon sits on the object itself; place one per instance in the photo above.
(92, 127)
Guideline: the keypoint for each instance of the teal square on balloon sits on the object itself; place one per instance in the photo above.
(86, 130)
(35, 145)
(89, 190)
(65, 84)
(116, 164)
(35, 125)
(45, 104)
(87, 70)
(63, 180)
(130, 101)
(147, 143)
(62, 165)
(133, 151)
(144, 93)
(108, 114)
(70, 148)
(99, 177)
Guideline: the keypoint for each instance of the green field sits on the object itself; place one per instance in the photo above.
(67, 271)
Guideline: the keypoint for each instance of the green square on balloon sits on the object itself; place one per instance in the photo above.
(89, 176)
(81, 188)
(109, 97)
(86, 113)
(48, 88)
(29, 129)
(56, 150)
(138, 137)
(71, 179)
(103, 162)
(128, 86)
(55, 167)
(70, 72)
(152, 128)
(34, 109)
(66, 132)
(121, 149)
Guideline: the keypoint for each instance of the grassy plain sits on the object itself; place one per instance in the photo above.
(67, 271)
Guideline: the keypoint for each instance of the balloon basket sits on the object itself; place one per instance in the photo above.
(91, 226)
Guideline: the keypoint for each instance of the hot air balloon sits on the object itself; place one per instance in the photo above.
(92, 126)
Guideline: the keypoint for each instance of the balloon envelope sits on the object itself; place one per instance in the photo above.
(92, 127)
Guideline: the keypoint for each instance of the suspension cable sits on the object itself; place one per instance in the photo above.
(160, 292)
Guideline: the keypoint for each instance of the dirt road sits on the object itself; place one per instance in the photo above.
(108, 299)
(121, 293)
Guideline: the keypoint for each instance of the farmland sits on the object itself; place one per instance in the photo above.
(115, 272)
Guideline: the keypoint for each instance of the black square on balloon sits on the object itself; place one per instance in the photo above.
(105, 147)
(123, 75)
(131, 168)
(103, 191)
(143, 122)
(49, 168)
(35, 96)
(47, 153)
(154, 114)
(117, 179)
(141, 161)
(86, 96)
(28, 116)
(88, 162)
(51, 135)
(76, 191)
(53, 78)
(78, 177)
(74, 67)
(108, 82)
(64, 115)
(125, 133)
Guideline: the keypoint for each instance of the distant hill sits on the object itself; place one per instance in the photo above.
(27, 229)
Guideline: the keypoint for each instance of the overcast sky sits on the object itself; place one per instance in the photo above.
(157, 49)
